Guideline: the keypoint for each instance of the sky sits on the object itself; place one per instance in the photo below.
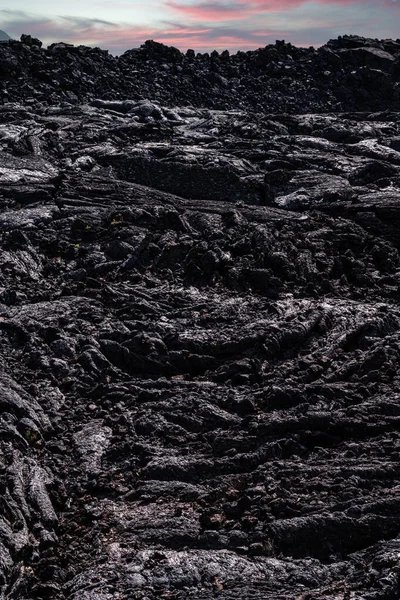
(203, 25)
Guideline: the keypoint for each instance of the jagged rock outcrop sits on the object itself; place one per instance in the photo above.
(350, 73)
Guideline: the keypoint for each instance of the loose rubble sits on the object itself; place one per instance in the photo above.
(349, 73)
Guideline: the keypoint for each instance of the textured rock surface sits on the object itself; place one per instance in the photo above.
(350, 73)
(199, 359)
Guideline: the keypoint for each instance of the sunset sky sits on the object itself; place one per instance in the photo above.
(199, 24)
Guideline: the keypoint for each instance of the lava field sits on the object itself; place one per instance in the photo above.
(199, 323)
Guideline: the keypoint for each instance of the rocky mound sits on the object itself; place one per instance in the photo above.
(4, 37)
(200, 337)
(350, 73)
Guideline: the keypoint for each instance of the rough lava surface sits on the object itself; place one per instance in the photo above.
(200, 323)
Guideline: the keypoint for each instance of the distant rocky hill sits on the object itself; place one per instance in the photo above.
(4, 36)
(349, 73)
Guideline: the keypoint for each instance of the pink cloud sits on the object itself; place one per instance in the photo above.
(113, 36)
(217, 10)
(213, 11)
(182, 37)
(203, 26)
(118, 37)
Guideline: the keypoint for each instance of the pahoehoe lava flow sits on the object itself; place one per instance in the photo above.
(199, 322)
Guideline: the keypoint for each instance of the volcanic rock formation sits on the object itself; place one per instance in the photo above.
(4, 37)
(199, 324)
(350, 73)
